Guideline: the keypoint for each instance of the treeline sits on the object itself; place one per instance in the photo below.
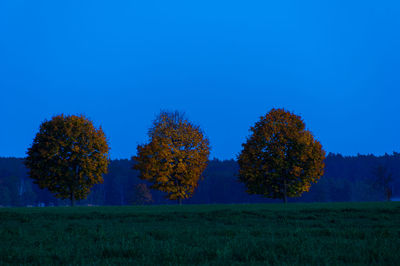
(346, 178)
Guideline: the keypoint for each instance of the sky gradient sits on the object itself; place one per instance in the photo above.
(224, 63)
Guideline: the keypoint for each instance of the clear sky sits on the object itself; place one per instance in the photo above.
(225, 63)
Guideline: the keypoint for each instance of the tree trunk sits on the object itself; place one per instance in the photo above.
(180, 201)
(73, 185)
(284, 191)
(72, 198)
(388, 194)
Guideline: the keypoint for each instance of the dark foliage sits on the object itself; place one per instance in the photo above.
(281, 158)
(346, 178)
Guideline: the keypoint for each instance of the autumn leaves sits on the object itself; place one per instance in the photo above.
(175, 157)
(280, 159)
(68, 156)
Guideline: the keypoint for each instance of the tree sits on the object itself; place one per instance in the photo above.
(281, 158)
(383, 181)
(5, 196)
(142, 195)
(68, 156)
(175, 157)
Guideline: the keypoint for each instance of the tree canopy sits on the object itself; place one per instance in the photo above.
(280, 158)
(175, 157)
(68, 156)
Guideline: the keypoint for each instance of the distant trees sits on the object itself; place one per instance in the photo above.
(383, 181)
(346, 178)
(142, 195)
(68, 156)
(281, 158)
(175, 157)
(8, 192)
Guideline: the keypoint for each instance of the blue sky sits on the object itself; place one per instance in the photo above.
(225, 63)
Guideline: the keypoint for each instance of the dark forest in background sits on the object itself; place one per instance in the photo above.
(346, 178)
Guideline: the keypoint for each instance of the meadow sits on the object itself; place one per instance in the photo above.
(256, 234)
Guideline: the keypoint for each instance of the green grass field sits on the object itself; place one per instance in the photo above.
(304, 234)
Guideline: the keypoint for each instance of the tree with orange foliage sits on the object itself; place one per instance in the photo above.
(281, 158)
(175, 157)
(68, 156)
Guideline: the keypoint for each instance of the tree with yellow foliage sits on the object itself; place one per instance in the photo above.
(175, 157)
(281, 158)
(68, 156)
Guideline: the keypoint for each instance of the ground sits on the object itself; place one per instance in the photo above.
(257, 234)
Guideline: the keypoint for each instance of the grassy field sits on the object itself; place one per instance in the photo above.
(303, 234)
